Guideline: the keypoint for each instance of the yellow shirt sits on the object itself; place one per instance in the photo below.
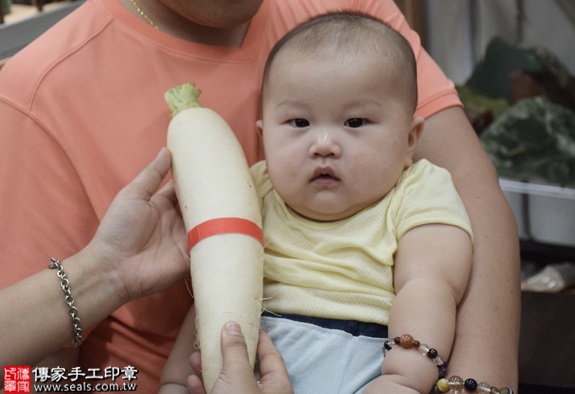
(344, 269)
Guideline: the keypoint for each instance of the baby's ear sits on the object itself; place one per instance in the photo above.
(260, 126)
(415, 131)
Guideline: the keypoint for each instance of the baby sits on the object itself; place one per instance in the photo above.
(362, 243)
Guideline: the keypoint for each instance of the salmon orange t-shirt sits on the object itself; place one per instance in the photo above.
(82, 112)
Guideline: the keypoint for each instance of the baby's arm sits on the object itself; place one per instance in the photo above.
(432, 267)
(177, 368)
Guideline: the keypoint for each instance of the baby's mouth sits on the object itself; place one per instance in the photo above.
(324, 174)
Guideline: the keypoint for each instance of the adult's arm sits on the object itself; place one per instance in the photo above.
(487, 335)
(141, 228)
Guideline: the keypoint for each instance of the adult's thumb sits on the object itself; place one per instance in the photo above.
(237, 375)
(234, 348)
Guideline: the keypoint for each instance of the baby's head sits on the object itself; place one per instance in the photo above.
(339, 93)
(339, 35)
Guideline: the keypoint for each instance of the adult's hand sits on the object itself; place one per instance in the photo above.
(137, 250)
(142, 237)
(237, 375)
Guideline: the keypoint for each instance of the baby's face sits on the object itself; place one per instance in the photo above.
(336, 134)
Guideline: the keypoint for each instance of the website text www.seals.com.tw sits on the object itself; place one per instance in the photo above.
(23, 379)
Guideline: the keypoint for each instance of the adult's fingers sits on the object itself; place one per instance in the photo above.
(194, 382)
(237, 374)
(272, 366)
(150, 178)
(195, 385)
(196, 363)
(234, 348)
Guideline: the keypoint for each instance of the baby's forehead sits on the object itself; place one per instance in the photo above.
(360, 57)
(365, 47)
(345, 38)
(356, 64)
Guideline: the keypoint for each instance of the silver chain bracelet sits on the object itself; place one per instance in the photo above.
(72, 310)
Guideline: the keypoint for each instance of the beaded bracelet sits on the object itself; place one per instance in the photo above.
(406, 341)
(457, 384)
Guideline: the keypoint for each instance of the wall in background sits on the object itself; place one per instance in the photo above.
(457, 32)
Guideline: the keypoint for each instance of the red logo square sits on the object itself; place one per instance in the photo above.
(17, 379)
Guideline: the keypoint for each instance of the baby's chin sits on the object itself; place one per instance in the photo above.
(327, 215)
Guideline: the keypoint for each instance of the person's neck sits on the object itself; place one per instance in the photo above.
(167, 20)
(190, 31)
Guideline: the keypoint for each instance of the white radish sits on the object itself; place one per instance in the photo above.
(221, 213)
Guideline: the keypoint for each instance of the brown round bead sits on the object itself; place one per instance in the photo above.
(416, 344)
(406, 341)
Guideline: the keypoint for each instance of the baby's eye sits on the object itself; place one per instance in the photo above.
(300, 122)
(355, 122)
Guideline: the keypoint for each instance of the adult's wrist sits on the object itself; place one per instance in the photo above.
(77, 337)
(98, 291)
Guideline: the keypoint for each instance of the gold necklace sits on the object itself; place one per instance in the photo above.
(143, 14)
